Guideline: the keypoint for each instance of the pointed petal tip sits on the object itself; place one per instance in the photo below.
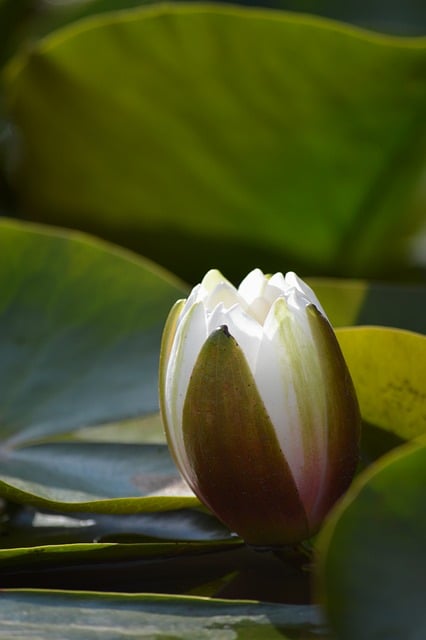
(212, 279)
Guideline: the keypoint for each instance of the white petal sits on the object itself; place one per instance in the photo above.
(294, 282)
(290, 382)
(211, 280)
(191, 300)
(277, 280)
(275, 384)
(224, 293)
(216, 318)
(297, 303)
(252, 286)
(259, 309)
(190, 337)
(271, 292)
(247, 332)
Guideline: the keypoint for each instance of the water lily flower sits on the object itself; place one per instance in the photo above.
(258, 405)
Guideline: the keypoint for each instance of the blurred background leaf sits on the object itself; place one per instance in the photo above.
(289, 155)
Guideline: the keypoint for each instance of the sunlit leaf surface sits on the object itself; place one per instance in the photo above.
(388, 367)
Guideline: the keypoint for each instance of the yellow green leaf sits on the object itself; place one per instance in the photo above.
(388, 368)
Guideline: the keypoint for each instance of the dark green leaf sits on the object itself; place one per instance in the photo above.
(13, 17)
(372, 552)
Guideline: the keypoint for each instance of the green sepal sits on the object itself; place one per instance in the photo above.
(236, 465)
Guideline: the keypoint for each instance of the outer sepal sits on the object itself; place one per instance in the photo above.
(236, 466)
(343, 416)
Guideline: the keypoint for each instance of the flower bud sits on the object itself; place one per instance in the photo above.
(259, 409)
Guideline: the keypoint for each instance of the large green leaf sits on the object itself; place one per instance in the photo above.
(80, 327)
(372, 552)
(226, 136)
(82, 615)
